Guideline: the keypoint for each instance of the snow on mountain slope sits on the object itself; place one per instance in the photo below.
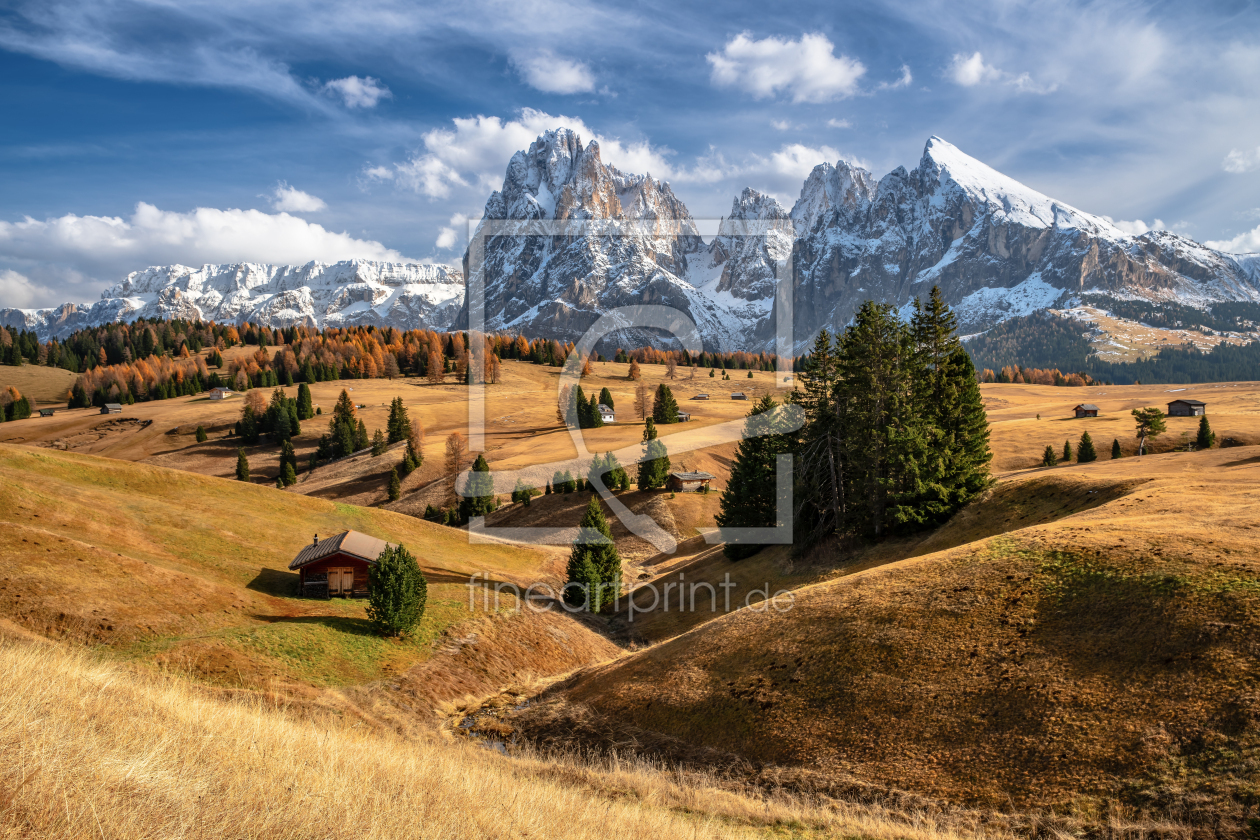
(350, 293)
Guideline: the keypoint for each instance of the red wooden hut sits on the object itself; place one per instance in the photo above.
(337, 565)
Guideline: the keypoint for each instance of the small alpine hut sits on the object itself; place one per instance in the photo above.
(220, 393)
(1187, 408)
(738, 396)
(700, 397)
(1086, 410)
(337, 565)
(683, 417)
(111, 408)
(606, 414)
(689, 482)
(47, 412)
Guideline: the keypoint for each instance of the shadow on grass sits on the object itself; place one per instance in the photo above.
(275, 582)
(343, 624)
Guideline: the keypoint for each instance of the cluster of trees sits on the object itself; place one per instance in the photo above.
(13, 406)
(1220, 317)
(280, 419)
(594, 568)
(1038, 376)
(1149, 424)
(152, 378)
(738, 360)
(346, 432)
(21, 348)
(894, 439)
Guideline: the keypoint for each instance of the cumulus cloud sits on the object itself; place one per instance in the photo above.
(972, 70)
(781, 125)
(1137, 227)
(1240, 161)
(834, 123)
(17, 290)
(904, 81)
(806, 68)
(1243, 243)
(357, 92)
(450, 237)
(474, 152)
(292, 200)
(107, 247)
(545, 71)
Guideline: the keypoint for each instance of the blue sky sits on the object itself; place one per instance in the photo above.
(140, 132)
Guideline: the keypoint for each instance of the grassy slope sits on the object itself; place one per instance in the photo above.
(191, 571)
(1107, 654)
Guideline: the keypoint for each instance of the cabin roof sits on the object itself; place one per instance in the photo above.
(347, 542)
(1188, 402)
(1086, 407)
(605, 408)
(113, 406)
(693, 476)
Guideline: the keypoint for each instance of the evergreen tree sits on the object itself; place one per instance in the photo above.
(1067, 451)
(1206, 438)
(664, 407)
(583, 408)
(395, 485)
(594, 568)
(596, 419)
(202, 437)
(1085, 449)
(479, 494)
(605, 397)
(378, 443)
(750, 499)
(399, 425)
(242, 466)
(1049, 459)
(361, 440)
(288, 477)
(397, 592)
(1150, 423)
(654, 468)
(1115, 449)
(305, 405)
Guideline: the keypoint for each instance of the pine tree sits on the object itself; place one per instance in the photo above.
(594, 568)
(395, 485)
(1067, 451)
(1150, 423)
(479, 494)
(1049, 459)
(361, 440)
(305, 406)
(202, 437)
(664, 407)
(1085, 449)
(1115, 449)
(378, 443)
(654, 467)
(605, 397)
(750, 499)
(1206, 438)
(288, 477)
(397, 592)
(582, 407)
(242, 466)
(596, 419)
(399, 424)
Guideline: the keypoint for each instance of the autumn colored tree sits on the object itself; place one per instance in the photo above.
(635, 373)
(456, 458)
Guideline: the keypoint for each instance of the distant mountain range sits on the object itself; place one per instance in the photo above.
(997, 249)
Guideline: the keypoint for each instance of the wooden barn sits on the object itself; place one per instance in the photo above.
(688, 482)
(220, 393)
(1187, 408)
(47, 412)
(111, 408)
(738, 396)
(337, 565)
(700, 397)
(1086, 410)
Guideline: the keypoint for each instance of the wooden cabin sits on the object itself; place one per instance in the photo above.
(1086, 410)
(111, 408)
(700, 397)
(738, 396)
(606, 414)
(688, 482)
(337, 565)
(683, 417)
(1187, 408)
(220, 393)
(47, 412)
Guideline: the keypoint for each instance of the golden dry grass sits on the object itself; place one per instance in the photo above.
(91, 749)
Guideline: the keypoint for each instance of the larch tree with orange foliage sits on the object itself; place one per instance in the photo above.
(635, 373)
(456, 458)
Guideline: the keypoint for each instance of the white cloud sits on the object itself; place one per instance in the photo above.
(969, 71)
(293, 200)
(379, 173)
(1243, 243)
(1137, 227)
(358, 93)
(450, 237)
(546, 72)
(904, 81)
(475, 151)
(17, 290)
(781, 125)
(834, 123)
(807, 69)
(107, 247)
(1238, 161)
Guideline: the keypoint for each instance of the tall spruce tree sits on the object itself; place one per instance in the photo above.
(664, 407)
(1048, 458)
(606, 397)
(1206, 438)
(242, 466)
(305, 405)
(1115, 449)
(654, 468)
(750, 499)
(398, 427)
(397, 592)
(1067, 451)
(394, 490)
(596, 419)
(479, 498)
(1085, 449)
(594, 568)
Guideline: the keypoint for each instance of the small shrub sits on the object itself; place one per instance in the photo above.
(201, 434)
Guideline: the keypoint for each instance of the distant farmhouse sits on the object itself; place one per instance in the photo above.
(700, 397)
(606, 414)
(1187, 408)
(337, 565)
(111, 408)
(738, 396)
(220, 393)
(689, 482)
(1086, 410)
(47, 412)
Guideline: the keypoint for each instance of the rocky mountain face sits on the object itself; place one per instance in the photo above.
(350, 293)
(570, 238)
